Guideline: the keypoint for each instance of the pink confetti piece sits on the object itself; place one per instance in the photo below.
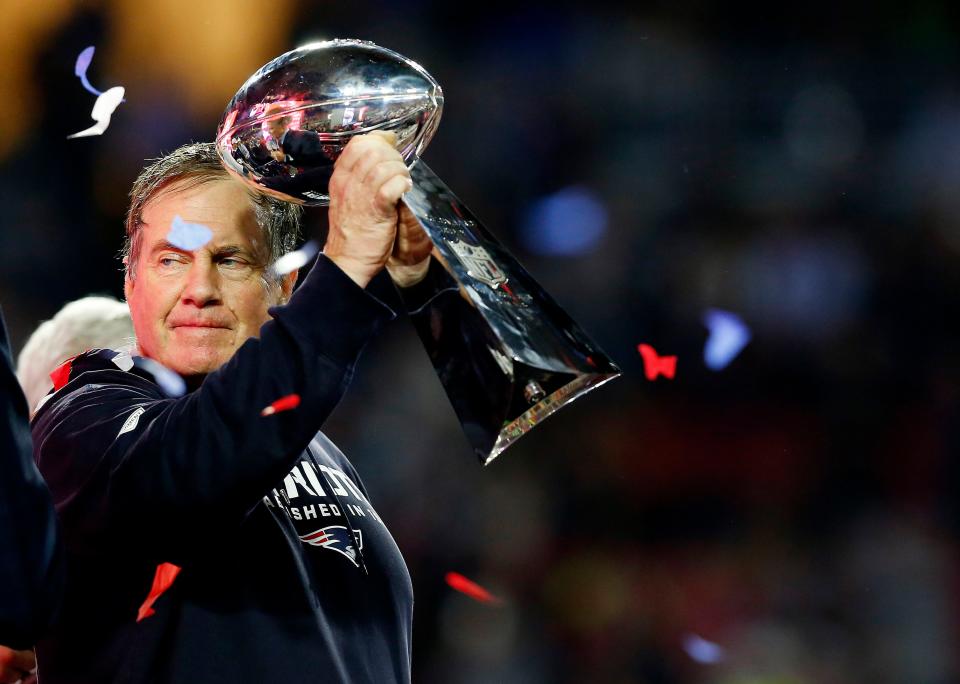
(655, 365)
(287, 403)
(465, 586)
(188, 236)
(103, 109)
(296, 259)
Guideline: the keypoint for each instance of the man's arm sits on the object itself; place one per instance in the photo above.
(31, 572)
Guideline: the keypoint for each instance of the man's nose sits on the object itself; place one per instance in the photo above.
(203, 285)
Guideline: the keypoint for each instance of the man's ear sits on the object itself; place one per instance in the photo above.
(286, 285)
(127, 282)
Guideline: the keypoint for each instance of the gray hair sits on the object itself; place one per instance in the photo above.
(88, 323)
(196, 164)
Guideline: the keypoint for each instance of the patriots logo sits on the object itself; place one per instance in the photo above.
(337, 538)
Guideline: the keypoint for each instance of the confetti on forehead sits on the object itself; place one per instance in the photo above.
(80, 68)
(170, 383)
(655, 365)
(728, 336)
(188, 236)
(294, 260)
(701, 650)
(103, 110)
(287, 403)
(465, 586)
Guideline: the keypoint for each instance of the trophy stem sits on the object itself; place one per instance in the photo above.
(507, 355)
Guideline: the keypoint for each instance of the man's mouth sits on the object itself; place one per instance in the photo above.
(200, 325)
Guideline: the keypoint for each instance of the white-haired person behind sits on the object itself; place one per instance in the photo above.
(94, 322)
(87, 323)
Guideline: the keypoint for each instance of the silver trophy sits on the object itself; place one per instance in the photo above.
(506, 353)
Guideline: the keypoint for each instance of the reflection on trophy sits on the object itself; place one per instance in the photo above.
(506, 353)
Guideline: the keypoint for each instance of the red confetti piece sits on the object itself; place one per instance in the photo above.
(162, 579)
(291, 401)
(654, 364)
(60, 375)
(470, 588)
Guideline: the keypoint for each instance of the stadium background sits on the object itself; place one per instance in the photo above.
(799, 167)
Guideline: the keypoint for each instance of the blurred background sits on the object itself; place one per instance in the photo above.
(790, 518)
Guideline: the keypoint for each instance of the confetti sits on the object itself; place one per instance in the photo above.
(291, 401)
(60, 375)
(470, 588)
(102, 111)
(728, 336)
(655, 365)
(703, 651)
(163, 577)
(170, 383)
(294, 260)
(80, 68)
(188, 236)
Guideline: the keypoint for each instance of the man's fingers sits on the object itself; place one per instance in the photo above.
(389, 137)
(390, 193)
(360, 146)
(364, 170)
(385, 172)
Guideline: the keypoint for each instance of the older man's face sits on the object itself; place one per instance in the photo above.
(192, 310)
(277, 127)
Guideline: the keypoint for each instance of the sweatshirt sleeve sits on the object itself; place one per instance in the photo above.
(128, 466)
(31, 567)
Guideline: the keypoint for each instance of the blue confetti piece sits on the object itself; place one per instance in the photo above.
(188, 236)
(728, 336)
(80, 68)
(171, 384)
(703, 651)
(567, 223)
(83, 61)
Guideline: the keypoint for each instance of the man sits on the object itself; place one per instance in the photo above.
(298, 147)
(31, 566)
(206, 541)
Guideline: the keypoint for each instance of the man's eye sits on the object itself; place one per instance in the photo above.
(168, 261)
(232, 263)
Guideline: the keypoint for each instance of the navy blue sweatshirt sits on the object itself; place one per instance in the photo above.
(31, 567)
(287, 572)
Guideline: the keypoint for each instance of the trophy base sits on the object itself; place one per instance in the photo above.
(513, 430)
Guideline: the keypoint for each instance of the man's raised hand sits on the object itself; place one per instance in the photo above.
(368, 181)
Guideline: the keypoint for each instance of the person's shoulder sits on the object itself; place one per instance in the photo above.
(95, 374)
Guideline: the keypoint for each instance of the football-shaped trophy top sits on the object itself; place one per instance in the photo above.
(286, 126)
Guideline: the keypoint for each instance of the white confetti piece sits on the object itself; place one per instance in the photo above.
(294, 260)
(103, 109)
